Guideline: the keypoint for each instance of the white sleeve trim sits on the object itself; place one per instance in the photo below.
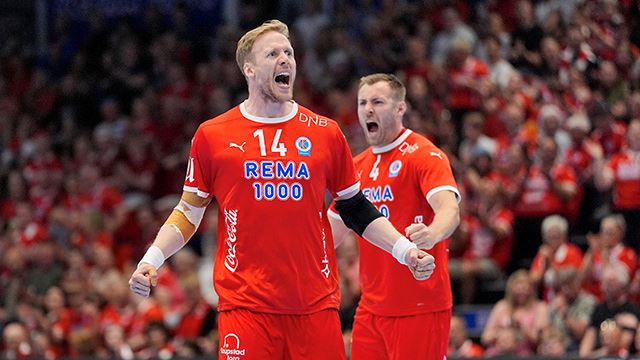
(348, 192)
(443, 188)
(333, 214)
(192, 189)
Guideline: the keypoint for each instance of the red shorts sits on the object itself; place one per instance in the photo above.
(246, 335)
(423, 336)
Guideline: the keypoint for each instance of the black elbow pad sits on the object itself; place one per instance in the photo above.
(357, 212)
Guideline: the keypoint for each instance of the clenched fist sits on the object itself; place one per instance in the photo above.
(421, 235)
(420, 263)
(145, 276)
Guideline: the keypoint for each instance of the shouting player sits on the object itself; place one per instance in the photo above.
(269, 162)
(410, 180)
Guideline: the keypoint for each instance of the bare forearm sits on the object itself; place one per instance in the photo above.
(339, 230)
(445, 222)
(181, 224)
(382, 234)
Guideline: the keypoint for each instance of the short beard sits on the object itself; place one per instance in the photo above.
(270, 96)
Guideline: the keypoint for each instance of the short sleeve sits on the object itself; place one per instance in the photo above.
(434, 173)
(342, 181)
(199, 174)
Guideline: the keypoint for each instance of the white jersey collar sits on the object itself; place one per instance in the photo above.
(393, 145)
(268, 120)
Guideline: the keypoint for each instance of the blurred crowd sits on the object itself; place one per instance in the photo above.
(536, 102)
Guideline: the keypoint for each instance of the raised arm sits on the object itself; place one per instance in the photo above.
(181, 224)
(359, 215)
(445, 221)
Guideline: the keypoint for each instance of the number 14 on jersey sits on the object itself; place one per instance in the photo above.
(276, 146)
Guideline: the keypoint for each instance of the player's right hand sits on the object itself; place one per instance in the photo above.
(143, 279)
(420, 263)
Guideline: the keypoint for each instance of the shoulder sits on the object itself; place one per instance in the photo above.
(425, 146)
(426, 152)
(220, 122)
(312, 118)
(362, 156)
(502, 306)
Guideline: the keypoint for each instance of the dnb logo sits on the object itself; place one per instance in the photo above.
(303, 144)
(231, 347)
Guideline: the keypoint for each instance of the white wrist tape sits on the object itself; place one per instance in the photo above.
(153, 256)
(193, 213)
(400, 249)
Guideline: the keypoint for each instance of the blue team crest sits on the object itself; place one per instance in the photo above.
(303, 144)
(394, 168)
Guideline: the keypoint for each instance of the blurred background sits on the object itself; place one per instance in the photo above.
(536, 103)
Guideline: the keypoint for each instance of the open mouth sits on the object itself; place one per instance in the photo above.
(372, 127)
(282, 79)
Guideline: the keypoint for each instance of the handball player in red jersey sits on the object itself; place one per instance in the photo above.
(269, 162)
(410, 181)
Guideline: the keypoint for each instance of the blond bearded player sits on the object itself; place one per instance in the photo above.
(269, 162)
(411, 181)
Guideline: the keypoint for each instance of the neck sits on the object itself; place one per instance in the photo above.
(259, 106)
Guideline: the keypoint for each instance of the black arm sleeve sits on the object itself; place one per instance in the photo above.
(357, 212)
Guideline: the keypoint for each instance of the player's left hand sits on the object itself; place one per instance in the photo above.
(421, 264)
(421, 235)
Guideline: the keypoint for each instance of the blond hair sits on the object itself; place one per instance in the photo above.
(245, 44)
(517, 276)
(397, 87)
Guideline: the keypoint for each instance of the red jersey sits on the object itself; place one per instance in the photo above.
(538, 197)
(461, 96)
(399, 179)
(620, 253)
(579, 158)
(567, 255)
(484, 244)
(611, 141)
(626, 170)
(275, 250)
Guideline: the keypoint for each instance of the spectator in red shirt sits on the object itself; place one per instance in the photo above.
(486, 235)
(549, 188)
(16, 342)
(555, 253)
(622, 175)
(467, 81)
(608, 132)
(579, 154)
(197, 317)
(604, 248)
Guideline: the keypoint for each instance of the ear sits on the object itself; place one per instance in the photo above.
(247, 69)
(402, 108)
